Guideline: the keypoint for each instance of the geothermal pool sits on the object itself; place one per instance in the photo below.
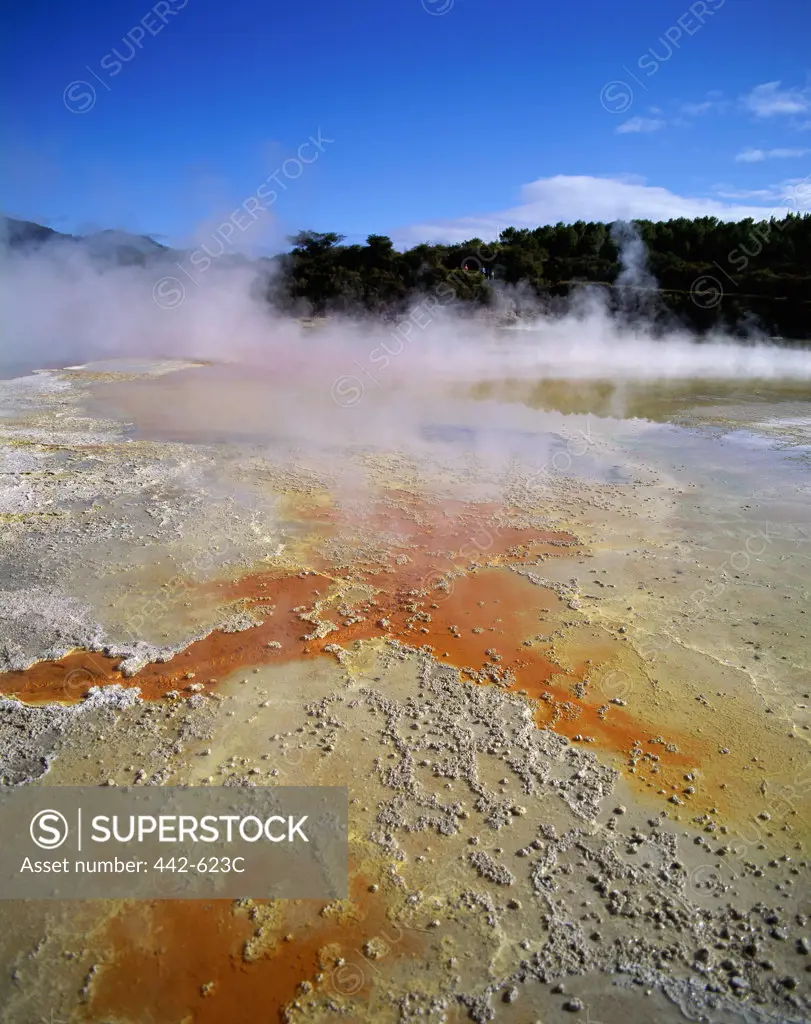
(552, 633)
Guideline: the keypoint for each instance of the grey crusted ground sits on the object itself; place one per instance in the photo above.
(493, 842)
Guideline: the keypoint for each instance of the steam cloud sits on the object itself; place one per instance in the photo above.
(60, 307)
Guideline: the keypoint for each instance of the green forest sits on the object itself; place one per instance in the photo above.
(743, 276)
(704, 273)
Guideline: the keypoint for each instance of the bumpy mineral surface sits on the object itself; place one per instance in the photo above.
(559, 659)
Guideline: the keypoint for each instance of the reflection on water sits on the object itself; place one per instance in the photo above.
(660, 400)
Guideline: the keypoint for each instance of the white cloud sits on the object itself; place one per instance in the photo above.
(751, 156)
(713, 102)
(756, 156)
(697, 108)
(769, 100)
(750, 193)
(640, 124)
(582, 197)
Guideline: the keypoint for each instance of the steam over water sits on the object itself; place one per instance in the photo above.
(61, 307)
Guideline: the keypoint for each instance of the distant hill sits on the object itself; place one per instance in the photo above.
(123, 246)
(110, 245)
(20, 233)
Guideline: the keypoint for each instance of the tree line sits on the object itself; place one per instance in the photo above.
(704, 273)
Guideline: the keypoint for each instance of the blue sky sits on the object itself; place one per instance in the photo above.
(446, 118)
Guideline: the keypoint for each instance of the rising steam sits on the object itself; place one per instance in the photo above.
(61, 306)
